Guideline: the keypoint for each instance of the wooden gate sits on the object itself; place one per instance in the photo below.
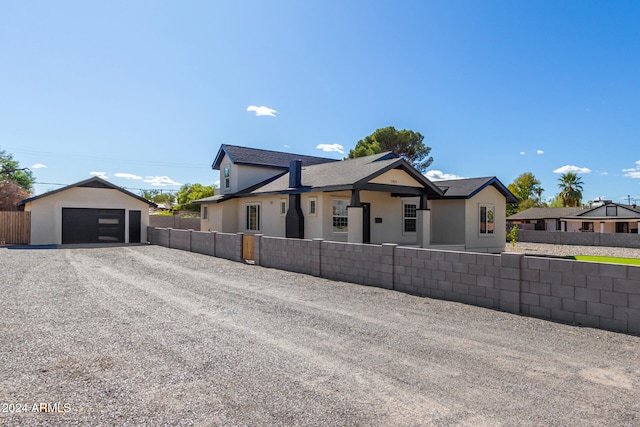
(15, 228)
(247, 247)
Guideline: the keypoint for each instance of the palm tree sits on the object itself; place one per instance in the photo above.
(538, 190)
(570, 189)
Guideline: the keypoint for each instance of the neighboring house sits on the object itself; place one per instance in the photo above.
(606, 218)
(374, 199)
(548, 219)
(90, 211)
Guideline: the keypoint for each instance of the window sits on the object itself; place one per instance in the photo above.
(340, 218)
(227, 180)
(205, 213)
(409, 217)
(487, 214)
(312, 206)
(587, 226)
(253, 217)
(283, 206)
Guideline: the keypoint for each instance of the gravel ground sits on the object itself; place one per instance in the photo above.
(568, 250)
(152, 336)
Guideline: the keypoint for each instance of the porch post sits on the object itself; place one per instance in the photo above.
(355, 198)
(355, 213)
(423, 227)
(354, 224)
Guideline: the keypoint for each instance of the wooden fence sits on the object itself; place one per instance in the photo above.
(15, 228)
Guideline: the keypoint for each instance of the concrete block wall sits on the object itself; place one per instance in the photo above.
(364, 264)
(605, 296)
(471, 278)
(299, 255)
(180, 239)
(203, 242)
(229, 246)
(598, 295)
(159, 236)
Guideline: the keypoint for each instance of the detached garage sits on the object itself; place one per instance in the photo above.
(90, 211)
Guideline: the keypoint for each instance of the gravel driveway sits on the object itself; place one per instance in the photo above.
(152, 336)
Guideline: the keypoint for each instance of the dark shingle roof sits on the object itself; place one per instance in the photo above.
(467, 188)
(265, 158)
(544, 213)
(94, 182)
(347, 174)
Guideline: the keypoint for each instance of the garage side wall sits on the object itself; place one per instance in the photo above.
(46, 212)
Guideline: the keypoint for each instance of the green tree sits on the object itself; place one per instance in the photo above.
(526, 188)
(405, 143)
(10, 170)
(157, 196)
(190, 192)
(570, 189)
(556, 202)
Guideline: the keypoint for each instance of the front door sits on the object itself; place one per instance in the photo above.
(366, 222)
(134, 226)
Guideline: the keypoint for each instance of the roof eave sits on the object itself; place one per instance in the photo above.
(80, 184)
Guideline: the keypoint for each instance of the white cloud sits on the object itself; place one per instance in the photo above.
(540, 152)
(286, 146)
(102, 175)
(522, 153)
(632, 172)
(39, 166)
(603, 173)
(573, 169)
(160, 181)
(127, 175)
(436, 175)
(262, 111)
(331, 147)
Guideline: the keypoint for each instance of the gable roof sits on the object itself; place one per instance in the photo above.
(265, 158)
(93, 182)
(585, 213)
(347, 175)
(544, 213)
(469, 187)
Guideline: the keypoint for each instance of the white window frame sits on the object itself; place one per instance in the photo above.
(283, 207)
(345, 217)
(247, 225)
(489, 218)
(313, 201)
(405, 218)
(226, 175)
(205, 212)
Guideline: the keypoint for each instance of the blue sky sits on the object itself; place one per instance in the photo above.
(145, 92)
